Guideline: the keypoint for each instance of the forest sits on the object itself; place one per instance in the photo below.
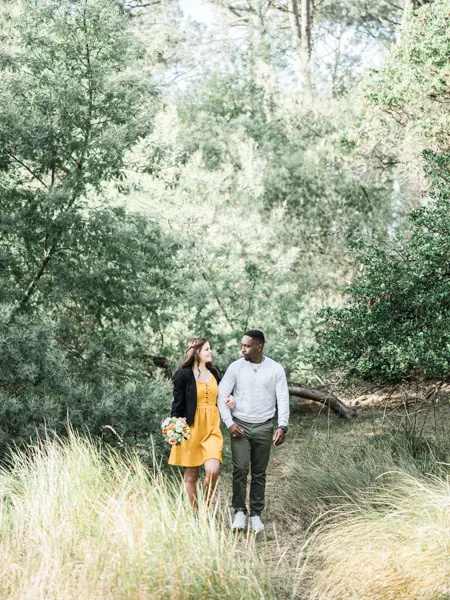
(181, 168)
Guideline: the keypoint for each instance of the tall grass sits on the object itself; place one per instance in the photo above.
(375, 503)
(322, 472)
(79, 524)
(394, 548)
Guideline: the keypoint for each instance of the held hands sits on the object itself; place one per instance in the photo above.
(278, 437)
(235, 431)
(230, 402)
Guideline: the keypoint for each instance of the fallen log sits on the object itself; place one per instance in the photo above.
(336, 405)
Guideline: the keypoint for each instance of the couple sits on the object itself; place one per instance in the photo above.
(247, 398)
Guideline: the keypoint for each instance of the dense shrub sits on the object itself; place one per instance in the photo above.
(43, 388)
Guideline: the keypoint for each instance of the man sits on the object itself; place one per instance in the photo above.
(258, 384)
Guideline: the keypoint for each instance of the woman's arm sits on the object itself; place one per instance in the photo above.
(179, 395)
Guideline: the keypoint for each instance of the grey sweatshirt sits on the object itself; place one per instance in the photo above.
(256, 394)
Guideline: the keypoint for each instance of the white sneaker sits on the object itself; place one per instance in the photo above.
(240, 520)
(256, 524)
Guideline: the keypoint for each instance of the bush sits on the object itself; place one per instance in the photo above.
(396, 323)
(42, 388)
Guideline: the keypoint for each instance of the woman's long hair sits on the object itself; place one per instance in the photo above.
(192, 356)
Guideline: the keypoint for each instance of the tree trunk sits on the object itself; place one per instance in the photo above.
(306, 37)
(294, 20)
(300, 21)
(336, 405)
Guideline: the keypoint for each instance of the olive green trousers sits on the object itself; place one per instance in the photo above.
(251, 453)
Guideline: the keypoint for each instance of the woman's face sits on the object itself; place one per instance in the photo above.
(205, 353)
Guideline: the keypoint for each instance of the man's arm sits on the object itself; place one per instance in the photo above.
(226, 386)
(282, 393)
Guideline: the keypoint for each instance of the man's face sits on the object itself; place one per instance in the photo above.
(250, 348)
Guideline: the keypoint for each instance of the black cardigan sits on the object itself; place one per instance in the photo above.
(185, 394)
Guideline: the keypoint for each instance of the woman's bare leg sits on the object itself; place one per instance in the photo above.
(212, 468)
(191, 479)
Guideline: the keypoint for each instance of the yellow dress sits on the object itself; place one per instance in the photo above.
(206, 439)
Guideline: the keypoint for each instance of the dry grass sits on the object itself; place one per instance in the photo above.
(392, 547)
(77, 522)
(377, 522)
(78, 525)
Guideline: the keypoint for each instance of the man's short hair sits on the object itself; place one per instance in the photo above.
(256, 334)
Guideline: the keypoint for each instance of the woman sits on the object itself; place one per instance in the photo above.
(195, 398)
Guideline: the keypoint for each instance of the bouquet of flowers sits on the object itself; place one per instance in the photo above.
(175, 430)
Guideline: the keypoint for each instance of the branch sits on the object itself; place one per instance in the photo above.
(27, 168)
(280, 7)
(239, 20)
(48, 253)
(139, 4)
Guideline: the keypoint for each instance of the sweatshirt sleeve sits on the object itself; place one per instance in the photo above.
(179, 395)
(226, 387)
(282, 392)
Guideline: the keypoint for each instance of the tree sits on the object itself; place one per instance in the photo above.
(300, 21)
(407, 99)
(85, 282)
(328, 38)
(395, 322)
(72, 102)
